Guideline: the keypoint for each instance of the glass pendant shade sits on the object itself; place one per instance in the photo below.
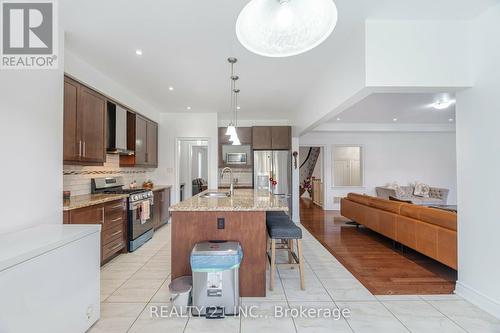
(235, 140)
(231, 130)
(282, 28)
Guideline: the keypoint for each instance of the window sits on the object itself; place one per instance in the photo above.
(347, 166)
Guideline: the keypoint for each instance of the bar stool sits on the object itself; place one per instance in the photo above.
(280, 228)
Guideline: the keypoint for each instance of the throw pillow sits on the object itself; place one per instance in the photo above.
(395, 186)
(421, 190)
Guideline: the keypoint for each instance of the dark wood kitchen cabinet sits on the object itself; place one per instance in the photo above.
(281, 137)
(112, 216)
(244, 134)
(142, 137)
(161, 206)
(271, 137)
(84, 125)
(152, 144)
(141, 140)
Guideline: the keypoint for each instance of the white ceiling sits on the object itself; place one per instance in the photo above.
(406, 108)
(185, 44)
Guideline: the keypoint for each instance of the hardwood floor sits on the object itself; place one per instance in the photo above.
(372, 258)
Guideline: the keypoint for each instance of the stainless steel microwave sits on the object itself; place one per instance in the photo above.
(236, 158)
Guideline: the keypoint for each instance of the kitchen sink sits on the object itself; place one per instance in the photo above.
(215, 195)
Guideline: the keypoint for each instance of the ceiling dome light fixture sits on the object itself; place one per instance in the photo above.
(283, 28)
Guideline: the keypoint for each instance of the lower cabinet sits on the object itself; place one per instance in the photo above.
(112, 216)
(161, 215)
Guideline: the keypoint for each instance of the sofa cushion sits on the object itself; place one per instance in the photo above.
(387, 205)
(411, 210)
(440, 217)
(359, 198)
(426, 201)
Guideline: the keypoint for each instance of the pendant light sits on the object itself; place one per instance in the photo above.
(236, 140)
(283, 28)
(231, 130)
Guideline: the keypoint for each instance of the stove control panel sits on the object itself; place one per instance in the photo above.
(141, 196)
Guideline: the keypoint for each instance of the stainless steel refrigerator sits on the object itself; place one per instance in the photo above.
(273, 172)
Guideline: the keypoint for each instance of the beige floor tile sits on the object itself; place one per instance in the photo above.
(163, 294)
(314, 291)
(347, 289)
(468, 316)
(117, 317)
(371, 317)
(263, 320)
(319, 322)
(420, 316)
(136, 290)
(157, 318)
(202, 325)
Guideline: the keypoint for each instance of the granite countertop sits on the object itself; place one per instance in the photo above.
(243, 200)
(160, 187)
(239, 185)
(86, 200)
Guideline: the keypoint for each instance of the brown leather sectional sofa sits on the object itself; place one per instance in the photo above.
(430, 231)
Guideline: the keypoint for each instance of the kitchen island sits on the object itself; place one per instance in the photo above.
(241, 218)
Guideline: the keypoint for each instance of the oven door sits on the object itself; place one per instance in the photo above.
(137, 226)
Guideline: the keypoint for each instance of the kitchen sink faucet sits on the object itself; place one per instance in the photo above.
(231, 187)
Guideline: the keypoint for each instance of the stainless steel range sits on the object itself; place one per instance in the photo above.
(140, 208)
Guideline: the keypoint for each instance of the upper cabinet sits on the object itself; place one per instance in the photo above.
(85, 130)
(244, 134)
(271, 137)
(152, 144)
(142, 137)
(84, 125)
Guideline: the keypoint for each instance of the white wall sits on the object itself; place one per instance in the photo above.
(389, 157)
(295, 182)
(417, 54)
(340, 85)
(185, 125)
(86, 73)
(478, 143)
(31, 107)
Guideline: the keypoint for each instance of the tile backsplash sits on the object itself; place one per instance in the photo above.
(242, 176)
(76, 178)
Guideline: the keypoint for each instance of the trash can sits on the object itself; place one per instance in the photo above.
(215, 267)
(180, 293)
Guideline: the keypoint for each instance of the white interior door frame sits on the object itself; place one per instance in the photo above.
(324, 173)
(177, 149)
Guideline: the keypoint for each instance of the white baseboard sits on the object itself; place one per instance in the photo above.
(475, 297)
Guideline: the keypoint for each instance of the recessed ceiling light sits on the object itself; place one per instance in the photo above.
(338, 119)
(450, 120)
(188, 107)
(138, 52)
(394, 119)
(443, 104)
(238, 107)
(170, 88)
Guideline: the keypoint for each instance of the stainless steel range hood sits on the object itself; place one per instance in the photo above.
(117, 130)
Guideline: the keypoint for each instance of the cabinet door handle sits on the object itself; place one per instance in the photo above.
(115, 207)
(117, 219)
(84, 150)
(102, 215)
(116, 233)
(80, 148)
